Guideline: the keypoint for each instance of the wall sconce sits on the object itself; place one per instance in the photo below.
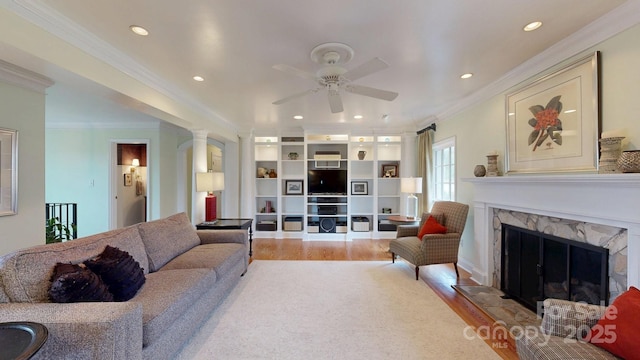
(210, 182)
(411, 186)
(134, 164)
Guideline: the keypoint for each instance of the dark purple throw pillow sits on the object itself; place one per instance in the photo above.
(74, 283)
(120, 271)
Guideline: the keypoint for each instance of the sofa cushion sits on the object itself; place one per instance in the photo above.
(119, 271)
(220, 257)
(616, 330)
(4, 298)
(26, 273)
(73, 283)
(167, 295)
(167, 238)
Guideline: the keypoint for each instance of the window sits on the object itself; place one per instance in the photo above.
(444, 170)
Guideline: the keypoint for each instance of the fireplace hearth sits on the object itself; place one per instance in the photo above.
(536, 266)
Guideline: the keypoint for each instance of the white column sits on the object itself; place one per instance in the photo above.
(199, 165)
(247, 175)
(232, 180)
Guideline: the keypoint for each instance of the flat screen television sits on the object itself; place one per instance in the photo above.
(331, 182)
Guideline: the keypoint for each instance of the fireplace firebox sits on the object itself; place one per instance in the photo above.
(536, 266)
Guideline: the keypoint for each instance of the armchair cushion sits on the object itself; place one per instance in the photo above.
(431, 226)
(617, 330)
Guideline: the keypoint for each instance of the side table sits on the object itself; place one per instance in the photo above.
(228, 224)
(403, 220)
(21, 340)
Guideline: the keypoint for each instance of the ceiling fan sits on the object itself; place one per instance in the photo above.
(335, 78)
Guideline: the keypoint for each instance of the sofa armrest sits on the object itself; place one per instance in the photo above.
(105, 330)
(223, 236)
(406, 230)
(569, 319)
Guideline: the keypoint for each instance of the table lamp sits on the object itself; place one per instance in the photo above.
(210, 182)
(411, 186)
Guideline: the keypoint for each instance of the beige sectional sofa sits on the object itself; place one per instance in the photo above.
(188, 273)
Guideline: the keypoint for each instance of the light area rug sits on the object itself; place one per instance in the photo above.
(334, 310)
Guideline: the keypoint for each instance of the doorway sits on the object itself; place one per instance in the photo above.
(215, 162)
(129, 183)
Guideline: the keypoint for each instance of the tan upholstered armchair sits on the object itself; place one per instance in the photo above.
(432, 248)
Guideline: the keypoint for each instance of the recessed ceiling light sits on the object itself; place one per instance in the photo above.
(357, 116)
(298, 117)
(466, 76)
(532, 26)
(198, 78)
(139, 30)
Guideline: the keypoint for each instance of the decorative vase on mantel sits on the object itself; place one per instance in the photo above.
(479, 171)
(492, 165)
(610, 150)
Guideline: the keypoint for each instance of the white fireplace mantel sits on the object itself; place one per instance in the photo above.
(608, 199)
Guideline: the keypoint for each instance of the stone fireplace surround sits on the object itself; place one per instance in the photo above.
(612, 238)
(571, 201)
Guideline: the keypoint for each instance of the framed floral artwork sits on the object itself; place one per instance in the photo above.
(8, 172)
(553, 123)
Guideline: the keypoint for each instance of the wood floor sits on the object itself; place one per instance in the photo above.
(438, 277)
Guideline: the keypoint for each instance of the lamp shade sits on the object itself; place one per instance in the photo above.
(135, 162)
(411, 185)
(209, 181)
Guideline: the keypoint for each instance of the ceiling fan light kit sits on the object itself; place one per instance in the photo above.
(335, 78)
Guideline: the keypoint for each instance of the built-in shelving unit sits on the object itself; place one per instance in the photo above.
(287, 208)
(267, 155)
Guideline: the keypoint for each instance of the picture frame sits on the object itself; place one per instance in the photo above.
(128, 179)
(8, 172)
(293, 187)
(389, 170)
(359, 188)
(553, 124)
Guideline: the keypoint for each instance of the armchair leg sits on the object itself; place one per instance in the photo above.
(393, 257)
(455, 265)
(417, 273)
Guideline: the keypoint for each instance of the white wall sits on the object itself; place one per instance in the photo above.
(77, 171)
(481, 128)
(24, 110)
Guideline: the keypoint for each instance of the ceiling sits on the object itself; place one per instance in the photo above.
(428, 45)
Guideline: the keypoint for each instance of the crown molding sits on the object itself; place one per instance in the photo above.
(52, 21)
(151, 125)
(616, 21)
(16, 75)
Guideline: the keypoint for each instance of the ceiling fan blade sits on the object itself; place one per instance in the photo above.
(368, 68)
(335, 101)
(372, 92)
(284, 100)
(295, 71)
